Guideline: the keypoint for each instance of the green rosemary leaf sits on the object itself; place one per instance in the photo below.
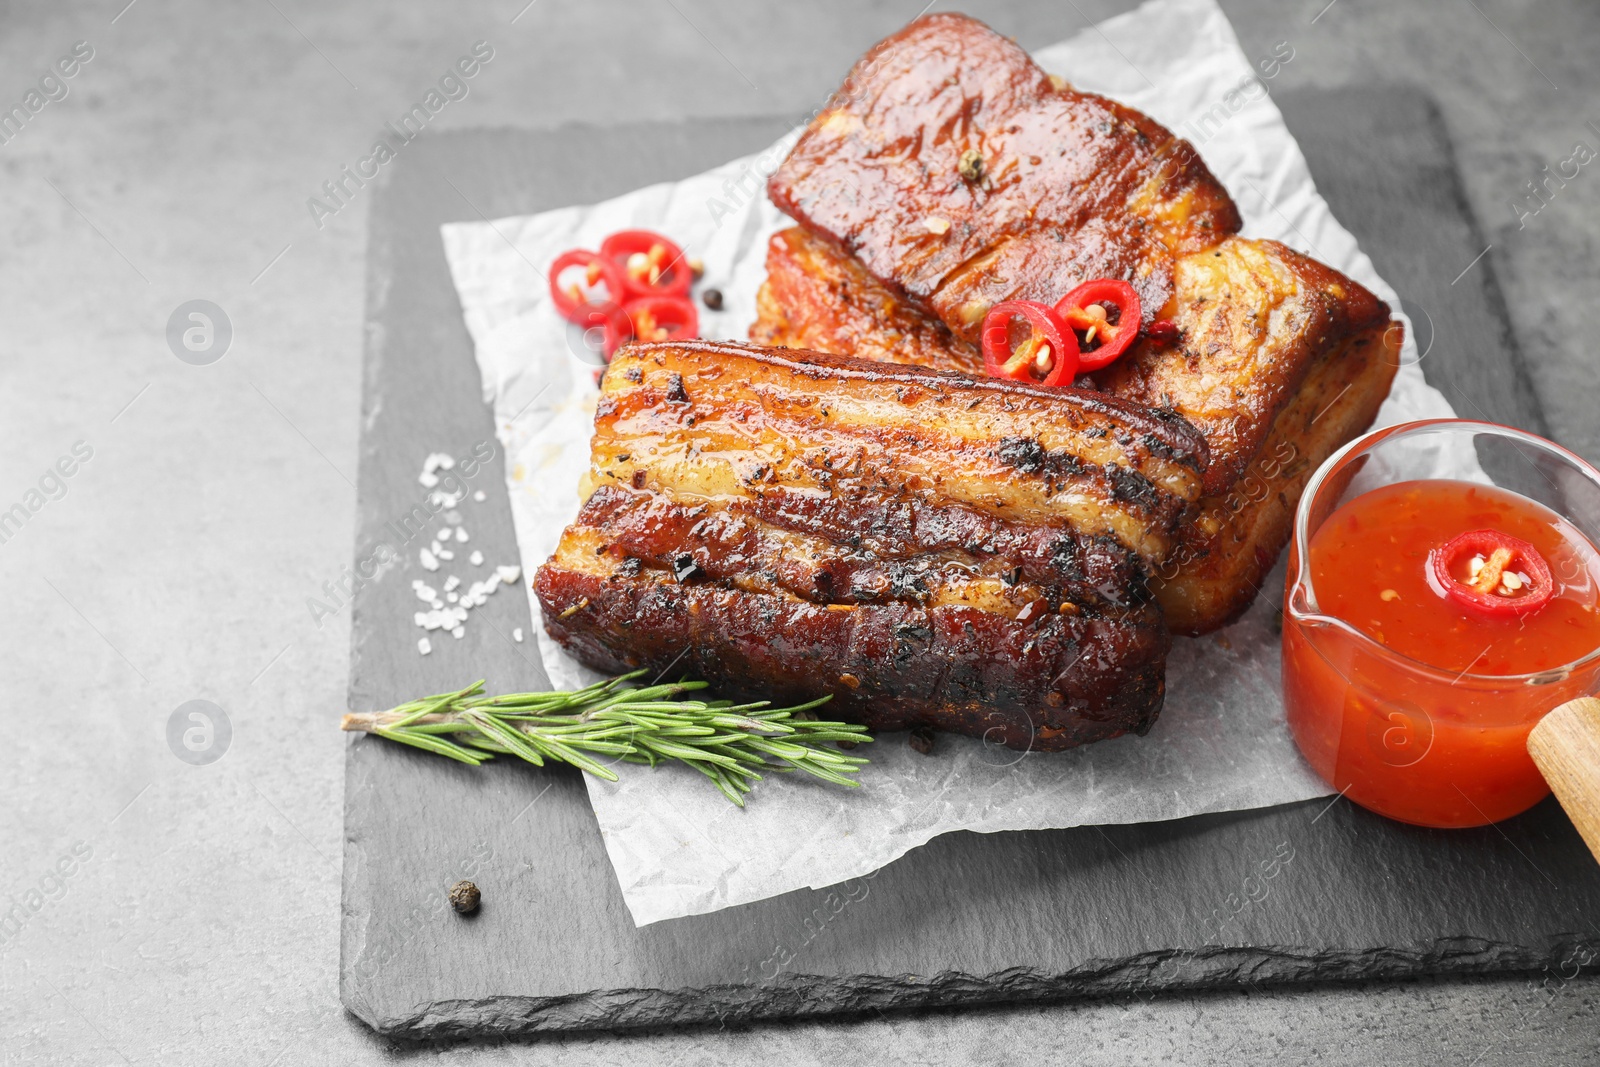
(744, 722)
(495, 730)
(608, 748)
(845, 734)
(685, 752)
(729, 789)
(567, 754)
(430, 743)
(827, 775)
(781, 749)
(436, 703)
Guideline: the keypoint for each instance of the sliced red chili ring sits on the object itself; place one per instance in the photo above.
(1104, 316)
(576, 303)
(1048, 355)
(1492, 573)
(619, 331)
(650, 264)
(616, 329)
(653, 318)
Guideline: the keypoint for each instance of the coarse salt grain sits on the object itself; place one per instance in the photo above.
(445, 553)
(427, 560)
(459, 632)
(428, 480)
(424, 646)
(476, 559)
(516, 635)
(461, 533)
(480, 496)
(451, 583)
(507, 574)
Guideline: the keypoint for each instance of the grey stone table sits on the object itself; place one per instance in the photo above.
(179, 912)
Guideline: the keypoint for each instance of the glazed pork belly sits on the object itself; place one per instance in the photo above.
(1279, 372)
(927, 547)
(950, 172)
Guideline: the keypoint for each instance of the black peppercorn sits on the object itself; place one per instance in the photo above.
(922, 739)
(713, 299)
(464, 897)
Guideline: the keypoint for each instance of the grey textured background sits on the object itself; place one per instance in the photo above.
(204, 927)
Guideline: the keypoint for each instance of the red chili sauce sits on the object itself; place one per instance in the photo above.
(1465, 579)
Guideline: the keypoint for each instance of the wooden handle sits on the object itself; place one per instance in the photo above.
(1566, 746)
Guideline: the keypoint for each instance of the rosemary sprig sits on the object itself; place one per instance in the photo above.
(728, 743)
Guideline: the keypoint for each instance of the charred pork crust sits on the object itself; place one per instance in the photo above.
(1046, 684)
(929, 548)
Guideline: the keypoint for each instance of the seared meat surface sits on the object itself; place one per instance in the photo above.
(817, 297)
(1226, 550)
(1059, 186)
(928, 547)
(1254, 317)
(1282, 362)
(1280, 359)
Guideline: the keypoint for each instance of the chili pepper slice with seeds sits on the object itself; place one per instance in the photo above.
(1104, 316)
(579, 303)
(1492, 573)
(650, 264)
(1047, 355)
(653, 318)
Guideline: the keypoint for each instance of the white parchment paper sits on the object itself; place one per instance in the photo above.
(678, 847)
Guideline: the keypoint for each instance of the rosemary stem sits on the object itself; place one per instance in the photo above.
(728, 743)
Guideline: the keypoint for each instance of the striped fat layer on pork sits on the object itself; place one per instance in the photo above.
(707, 420)
(927, 547)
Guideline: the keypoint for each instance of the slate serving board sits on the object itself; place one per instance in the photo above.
(1315, 891)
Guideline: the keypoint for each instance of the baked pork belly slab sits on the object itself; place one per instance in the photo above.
(956, 171)
(930, 548)
(1280, 360)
